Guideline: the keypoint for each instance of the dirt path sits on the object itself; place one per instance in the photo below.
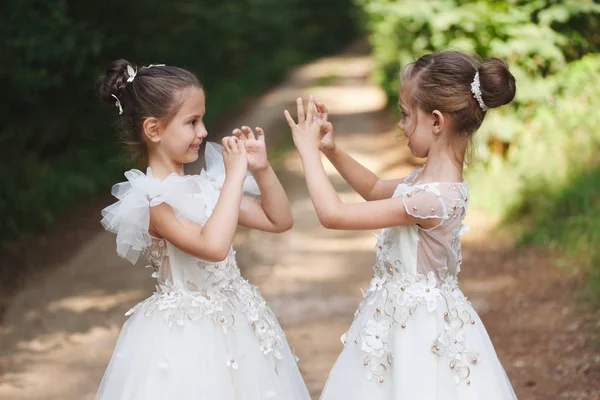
(60, 330)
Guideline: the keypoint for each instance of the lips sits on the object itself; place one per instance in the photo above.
(195, 147)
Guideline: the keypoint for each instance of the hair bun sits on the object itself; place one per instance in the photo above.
(115, 81)
(497, 83)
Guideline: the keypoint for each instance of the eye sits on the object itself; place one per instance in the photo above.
(193, 122)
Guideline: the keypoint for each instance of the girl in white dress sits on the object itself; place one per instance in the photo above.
(414, 336)
(206, 333)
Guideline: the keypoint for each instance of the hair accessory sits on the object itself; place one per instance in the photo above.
(118, 104)
(154, 65)
(476, 90)
(131, 76)
(132, 73)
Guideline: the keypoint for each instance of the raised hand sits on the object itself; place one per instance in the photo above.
(234, 157)
(306, 133)
(327, 137)
(256, 148)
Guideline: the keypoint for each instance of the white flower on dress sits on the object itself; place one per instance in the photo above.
(383, 247)
(454, 343)
(226, 321)
(231, 363)
(377, 283)
(407, 296)
(168, 296)
(430, 292)
(375, 337)
(211, 302)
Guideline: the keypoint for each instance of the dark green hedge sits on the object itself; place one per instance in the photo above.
(57, 144)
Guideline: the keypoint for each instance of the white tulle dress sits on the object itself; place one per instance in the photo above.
(206, 333)
(415, 336)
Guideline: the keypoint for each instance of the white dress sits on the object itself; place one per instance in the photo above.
(206, 333)
(415, 336)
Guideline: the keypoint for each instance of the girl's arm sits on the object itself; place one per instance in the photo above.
(212, 241)
(272, 212)
(332, 212)
(360, 178)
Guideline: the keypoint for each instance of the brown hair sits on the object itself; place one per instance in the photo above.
(153, 93)
(442, 81)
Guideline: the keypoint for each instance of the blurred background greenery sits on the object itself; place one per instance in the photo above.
(537, 161)
(57, 145)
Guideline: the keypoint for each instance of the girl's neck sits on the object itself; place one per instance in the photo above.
(163, 166)
(443, 165)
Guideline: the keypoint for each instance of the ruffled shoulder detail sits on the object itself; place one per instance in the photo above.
(129, 217)
(192, 198)
(441, 200)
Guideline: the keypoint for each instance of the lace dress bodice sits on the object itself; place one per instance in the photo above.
(188, 289)
(417, 268)
(411, 250)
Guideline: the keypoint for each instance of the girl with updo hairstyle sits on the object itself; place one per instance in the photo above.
(414, 336)
(206, 333)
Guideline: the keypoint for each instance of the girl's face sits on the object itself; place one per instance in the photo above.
(416, 124)
(181, 138)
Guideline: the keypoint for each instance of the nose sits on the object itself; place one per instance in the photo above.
(202, 132)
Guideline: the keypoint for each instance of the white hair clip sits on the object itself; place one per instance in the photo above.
(132, 73)
(476, 90)
(118, 104)
(154, 65)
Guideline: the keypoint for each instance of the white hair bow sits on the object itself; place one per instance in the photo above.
(132, 73)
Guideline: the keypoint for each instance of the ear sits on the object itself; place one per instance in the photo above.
(151, 128)
(438, 122)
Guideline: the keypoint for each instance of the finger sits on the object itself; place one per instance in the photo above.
(322, 109)
(248, 132)
(238, 133)
(233, 143)
(310, 109)
(300, 107)
(260, 134)
(241, 146)
(289, 119)
(225, 143)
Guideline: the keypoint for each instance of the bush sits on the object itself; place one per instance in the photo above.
(57, 147)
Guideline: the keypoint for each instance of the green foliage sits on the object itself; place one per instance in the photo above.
(549, 142)
(567, 221)
(55, 141)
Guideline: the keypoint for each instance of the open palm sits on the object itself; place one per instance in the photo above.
(256, 148)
